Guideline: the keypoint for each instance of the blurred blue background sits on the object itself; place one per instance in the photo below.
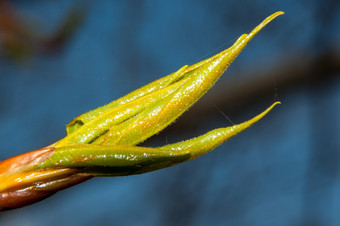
(282, 171)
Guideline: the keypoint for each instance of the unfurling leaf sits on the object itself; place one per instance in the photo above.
(103, 142)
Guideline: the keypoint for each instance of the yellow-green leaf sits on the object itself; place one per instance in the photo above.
(103, 142)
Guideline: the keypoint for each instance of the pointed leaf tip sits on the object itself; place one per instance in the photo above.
(93, 145)
(240, 127)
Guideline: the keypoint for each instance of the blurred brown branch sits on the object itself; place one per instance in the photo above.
(289, 73)
(20, 39)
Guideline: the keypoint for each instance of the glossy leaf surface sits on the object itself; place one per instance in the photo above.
(103, 142)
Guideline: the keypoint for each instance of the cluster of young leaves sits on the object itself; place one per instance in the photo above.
(103, 141)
